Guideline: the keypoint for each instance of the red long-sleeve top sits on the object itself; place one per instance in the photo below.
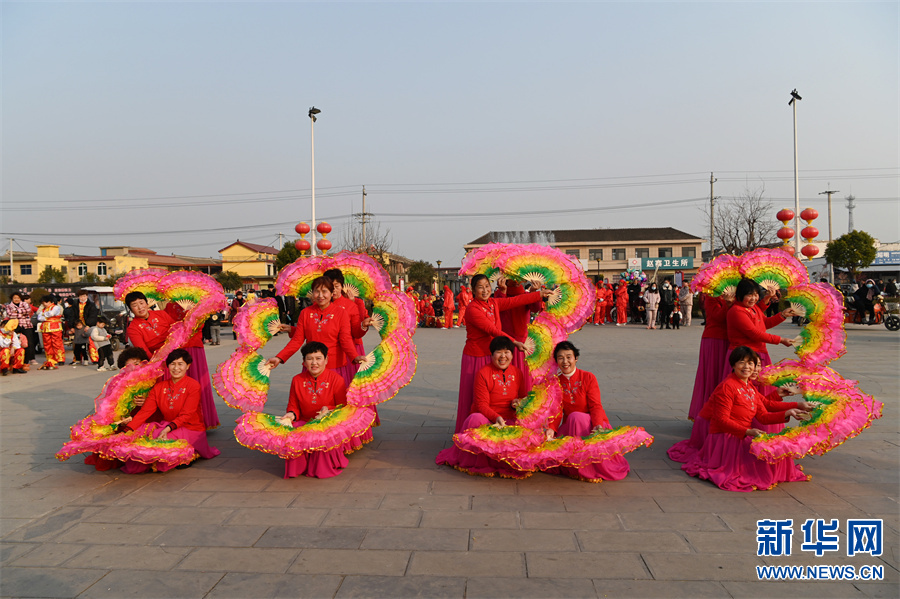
(448, 299)
(621, 294)
(514, 322)
(715, 309)
(363, 314)
(581, 393)
(495, 390)
(150, 333)
(179, 404)
(330, 326)
(178, 313)
(310, 394)
(733, 405)
(352, 308)
(747, 326)
(463, 297)
(483, 321)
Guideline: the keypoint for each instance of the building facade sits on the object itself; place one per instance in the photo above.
(253, 262)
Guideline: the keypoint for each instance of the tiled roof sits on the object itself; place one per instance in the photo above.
(263, 249)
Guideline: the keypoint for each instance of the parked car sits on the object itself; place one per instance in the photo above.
(113, 310)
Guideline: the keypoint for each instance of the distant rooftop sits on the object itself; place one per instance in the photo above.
(552, 237)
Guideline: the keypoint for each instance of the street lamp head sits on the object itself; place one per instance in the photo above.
(313, 112)
(794, 96)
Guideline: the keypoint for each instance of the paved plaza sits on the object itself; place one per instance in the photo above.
(394, 524)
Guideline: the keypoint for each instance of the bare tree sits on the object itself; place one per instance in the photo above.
(744, 223)
(377, 242)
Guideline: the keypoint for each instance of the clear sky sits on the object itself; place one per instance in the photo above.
(183, 126)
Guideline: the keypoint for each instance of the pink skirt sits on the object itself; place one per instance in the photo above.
(578, 424)
(725, 460)
(713, 354)
(477, 463)
(520, 363)
(684, 451)
(199, 371)
(196, 438)
(764, 360)
(468, 368)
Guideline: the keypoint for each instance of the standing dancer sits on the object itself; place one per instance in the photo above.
(621, 303)
(463, 298)
(50, 325)
(448, 307)
(514, 322)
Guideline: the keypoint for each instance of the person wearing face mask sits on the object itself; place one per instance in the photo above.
(651, 300)
(666, 302)
(865, 299)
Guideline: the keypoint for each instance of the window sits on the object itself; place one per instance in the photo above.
(82, 269)
(690, 252)
(596, 254)
(24, 269)
(665, 252)
(269, 269)
(5, 270)
(101, 269)
(574, 253)
(618, 254)
(641, 252)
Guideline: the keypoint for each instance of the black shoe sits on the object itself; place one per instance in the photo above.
(18, 371)
(4, 373)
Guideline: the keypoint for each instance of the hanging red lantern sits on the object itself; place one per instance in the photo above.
(303, 245)
(789, 248)
(809, 214)
(302, 228)
(809, 233)
(809, 251)
(324, 228)
(785, 233)
(785, 215)
(324, 245)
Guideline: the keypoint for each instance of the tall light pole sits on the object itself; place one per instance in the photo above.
(829, 193)
(795, 97)
(312, 142)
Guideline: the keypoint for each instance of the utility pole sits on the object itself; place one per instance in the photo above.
(795, 97)
(850, 206)
(280, 240)
(365, 217)
(11, 260)
(712, 220)
(829, 193)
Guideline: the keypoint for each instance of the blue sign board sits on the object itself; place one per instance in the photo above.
(676, 263)
(886, 258)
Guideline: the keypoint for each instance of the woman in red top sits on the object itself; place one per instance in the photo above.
(583, 413)
(199, 369)
(482, 325)
(178, 402)
(497, 385)
(514, 322)
(448, 307)
(463, 298)
(356, 311)
(327, 323)
(621, 295)
(725, 458)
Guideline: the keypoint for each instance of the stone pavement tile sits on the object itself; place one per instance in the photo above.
(373, 518)
(351, 562)
(529, 588)
(369, 501)
(680, 522)
(810, 493)
(419, 501)
(585, 565)
(276, 516)
(237, 500)
(569, 520)
(118, 515)
(419, 539)
(374, 471)
(47, 582)
(743, 542)
(768, 504)
(48, 555)
(645, 505)
(432, 587)
(467, 563)
(33, 503)
(435, 473)
(861, 489)
(389, 486)
(160, 498)
(305, 484)
(128, 557)
(657, 475)
(180, 515)
(732, 502)
(615, 540)
(239, 559)
(875, 504)
(13, 551)
(209, 535)
(114, 493)
(659, 589)
(140, 584)
(707, 566)
(625, 488)
(522, 540)
(7, 525)
(469, 519)
(239, 585)
(531, 503)
(110, 534)
(320, 538)
(172, 483)
(52, 525)
(880, 590)
(464, 484)
(793, 589)
(245, 485)
(546, 484)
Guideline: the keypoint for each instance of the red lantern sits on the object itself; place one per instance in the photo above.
(785, 215)
(789, 249)
(302, 229)
(809, 215)
(785, 233)
(303, 245)
(323, 244)
(810, 250)
(809, 233)
(324, 229)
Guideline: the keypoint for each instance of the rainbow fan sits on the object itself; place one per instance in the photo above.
(498, 442)
(143, 280)
(243, 380)
(718, 277)
(386, 369)
(482, 259)
(607, 443)
(773, 269)
(393, 311)
(367, 277)
(551, 453)
(542, 405)
(544, 333)
(823, 339)
(255, 323)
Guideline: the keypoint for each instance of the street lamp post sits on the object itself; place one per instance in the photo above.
(795, 97)
(438, 276)
(312, 142)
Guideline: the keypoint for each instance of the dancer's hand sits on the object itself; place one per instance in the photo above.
(163, 434)
(753, 432)
(786, 342)
(322, 413)
(287, 419)
(273, 362)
